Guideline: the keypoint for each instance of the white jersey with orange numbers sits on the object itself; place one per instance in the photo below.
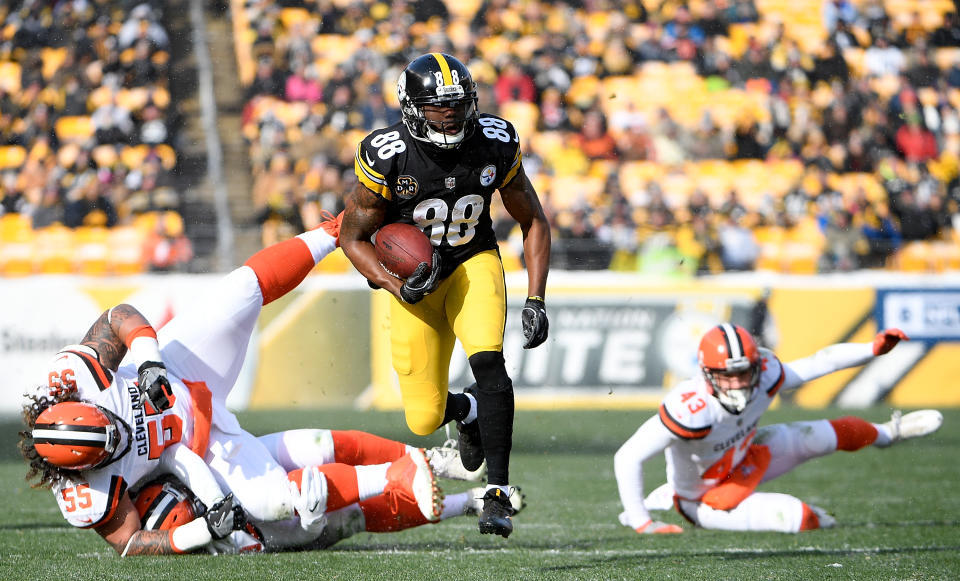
(91, 498)
(712, 441)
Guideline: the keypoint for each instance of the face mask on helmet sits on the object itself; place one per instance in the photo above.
(438, 100)
(77, 436)
(730, 363)
(165, 503)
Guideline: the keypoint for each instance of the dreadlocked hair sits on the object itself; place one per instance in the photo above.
(47, 474)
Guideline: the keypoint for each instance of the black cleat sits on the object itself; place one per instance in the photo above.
(495, 517)
(468, 441)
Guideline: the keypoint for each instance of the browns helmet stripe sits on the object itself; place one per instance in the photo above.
(63, 434)
(732, 338)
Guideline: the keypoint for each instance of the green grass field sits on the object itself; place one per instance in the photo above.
(898, 511)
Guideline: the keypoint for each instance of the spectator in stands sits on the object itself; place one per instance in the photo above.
(594, 139)
(268, 80)
(882, 234)
(917, 221)
(914, 141)
(86, 205)
(846, 246)
(166, 248)
(376, 113)
(948, 34)
(514, 84)
(739, 248)
(882, 58)
(553, 111)
(835, 11)
(302, 84)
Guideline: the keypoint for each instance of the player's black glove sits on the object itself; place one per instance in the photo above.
(422, 282)
(154, 386)
(534, 320)
(225, 517)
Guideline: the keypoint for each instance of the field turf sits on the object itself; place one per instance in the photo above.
(898, 511)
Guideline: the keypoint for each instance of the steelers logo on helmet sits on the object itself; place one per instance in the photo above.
(438, 100)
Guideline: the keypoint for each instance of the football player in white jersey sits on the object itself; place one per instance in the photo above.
(716, 452)
(128, 402)
(165, 503)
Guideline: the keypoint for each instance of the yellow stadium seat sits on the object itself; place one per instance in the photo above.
(91, 250)
(573, 190)
(12, 156)
(74, 129)
(55, 246)
(125, 250)
(53, 59)
(10, 76)
(14, 226)
(291, 16)
(17, 254)
(523, 115)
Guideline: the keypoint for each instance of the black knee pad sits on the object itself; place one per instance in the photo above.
(490, 371)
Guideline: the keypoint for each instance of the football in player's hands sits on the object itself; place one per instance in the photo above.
(887, 340)
(401, 248)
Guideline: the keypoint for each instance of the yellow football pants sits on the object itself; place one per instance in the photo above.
(470, 305)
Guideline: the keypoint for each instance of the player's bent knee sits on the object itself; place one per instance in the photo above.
(423, 423)
(490, 371)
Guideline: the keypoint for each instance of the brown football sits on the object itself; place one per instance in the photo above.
(401, 248)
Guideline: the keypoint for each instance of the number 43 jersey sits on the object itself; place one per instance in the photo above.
(445, 193)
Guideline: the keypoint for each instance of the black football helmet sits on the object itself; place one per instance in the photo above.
(443, 81)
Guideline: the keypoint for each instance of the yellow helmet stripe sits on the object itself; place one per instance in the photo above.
(444, 68)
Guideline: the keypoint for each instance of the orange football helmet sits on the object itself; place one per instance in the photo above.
(76, 435)
(165, 503)
(729, 350)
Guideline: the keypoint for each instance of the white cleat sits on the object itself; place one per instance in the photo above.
(912, 425)
(518, 500)
(825, 519)
(445, 462)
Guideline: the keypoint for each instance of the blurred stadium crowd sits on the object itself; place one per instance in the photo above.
(87, 139)
(664, 136)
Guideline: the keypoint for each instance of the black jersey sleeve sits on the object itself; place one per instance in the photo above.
(375, 158)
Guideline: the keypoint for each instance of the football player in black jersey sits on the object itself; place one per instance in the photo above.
(438, 170)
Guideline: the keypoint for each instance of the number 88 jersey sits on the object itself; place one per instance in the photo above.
(445, 193)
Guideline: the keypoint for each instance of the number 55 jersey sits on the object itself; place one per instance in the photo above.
(445, 193)
(90, 499)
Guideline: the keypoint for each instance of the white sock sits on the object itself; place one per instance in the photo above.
(454, 505)
(472, 414)
(884, 436)
(505, 488)
(371, 480)
(319, 242)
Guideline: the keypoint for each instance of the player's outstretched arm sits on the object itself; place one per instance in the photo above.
(839, 356)
(124, 534)
(648, 441)
(521, 201)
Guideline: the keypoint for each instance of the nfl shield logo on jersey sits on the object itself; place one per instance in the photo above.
(450, 182)
(487, 175)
